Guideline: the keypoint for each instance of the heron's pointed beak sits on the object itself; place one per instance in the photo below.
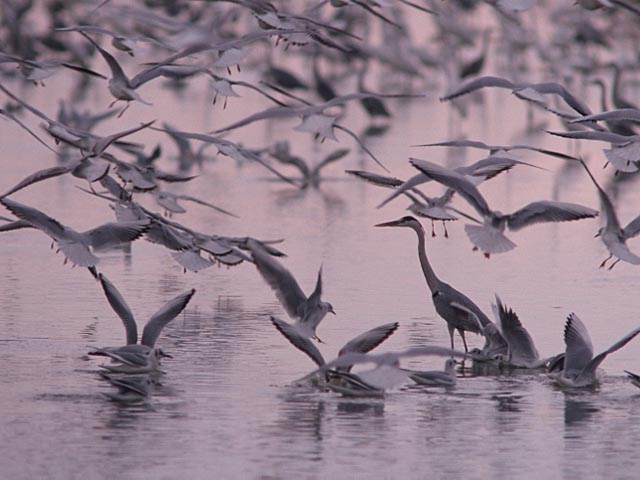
(393, 223)
(167, 355)
(596, 235)
(331, 310)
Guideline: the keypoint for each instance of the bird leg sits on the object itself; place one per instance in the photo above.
(451, 331)
(444, 225)
(464, 340)
(433, 231)
(614, 264)
(487, 255)
(604, 262)
(124, 109)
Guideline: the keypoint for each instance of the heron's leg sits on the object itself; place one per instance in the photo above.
(604, 262)
(433, 230)
(614, 264)
(451, 331)
(464, 340)
(446, 234)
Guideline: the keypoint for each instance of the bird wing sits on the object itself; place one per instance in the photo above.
(91, 170)
(332, 157)
(121, 308)
(613, 224)
(114, 66)
(598, 359)
(279, 279)
(632, 229)
(461, 143)
(298, 340)
(518, 339)
(369, 340)
(558, 89)
(14, 225)
(39, 176)
(112, 234)
(548, 211)
(478, 83)
(621, 250)
(314, 298)
(579, 349)
(452, 179)
(389, 358)
(167, 236)
(168, 312)
(189, 198)
(35, 217)
(413, 182)
(135, 359)
(608, 137)
(377, 179)
(622, 114)
(489, 167)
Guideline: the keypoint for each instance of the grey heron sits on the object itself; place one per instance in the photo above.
(452, 305)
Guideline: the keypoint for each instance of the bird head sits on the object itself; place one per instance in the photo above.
(161, 353)
(406, 221)
(328, 308)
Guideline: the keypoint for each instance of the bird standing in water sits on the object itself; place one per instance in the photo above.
(452, 305)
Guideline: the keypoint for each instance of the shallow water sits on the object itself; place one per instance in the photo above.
(226, 407)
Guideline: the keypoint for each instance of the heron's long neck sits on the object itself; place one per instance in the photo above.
(603, 96)
(615, 89)
(429, 274)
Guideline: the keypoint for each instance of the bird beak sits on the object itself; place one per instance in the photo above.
(596, 235)
(331, 310)
(166, 355)
(393, 223)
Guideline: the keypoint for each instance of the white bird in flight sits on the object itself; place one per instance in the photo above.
(78, 247)
(307, 311)
(612, 234)
(489, 236)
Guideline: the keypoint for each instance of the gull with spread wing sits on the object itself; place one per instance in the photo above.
(612, 234)
(78, 247)
(579, 366)
(363, 343)
(308, 311)
(386, 372)
(489, 236)
(521, 351)
(136, 357)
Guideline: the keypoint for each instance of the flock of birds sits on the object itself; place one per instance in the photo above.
(203, 39)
